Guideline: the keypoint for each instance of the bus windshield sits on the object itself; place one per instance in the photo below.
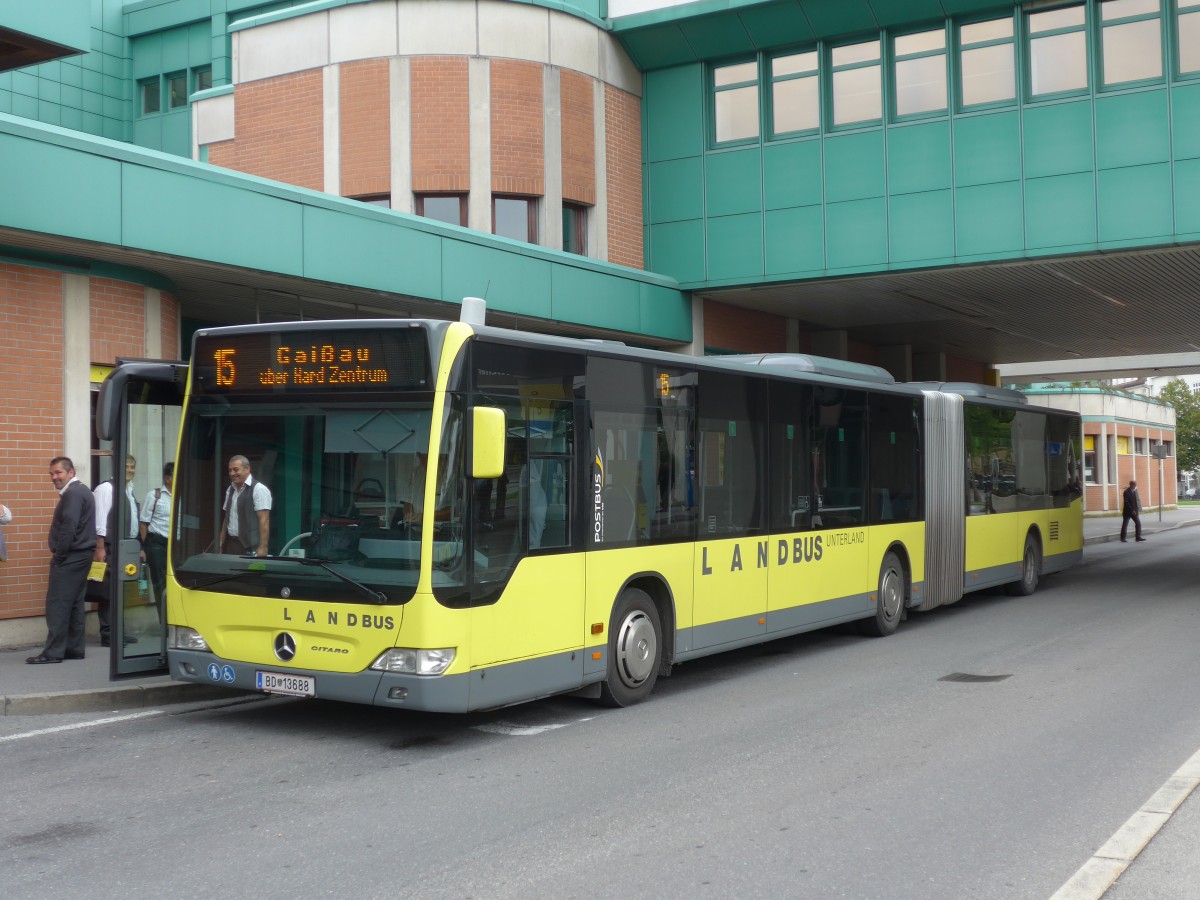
(345, 485)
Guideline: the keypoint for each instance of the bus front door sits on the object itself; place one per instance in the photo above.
(138, 411)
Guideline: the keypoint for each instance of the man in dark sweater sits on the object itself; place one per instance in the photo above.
(72, 542)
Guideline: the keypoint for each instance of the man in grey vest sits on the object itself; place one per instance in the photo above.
(246, 528)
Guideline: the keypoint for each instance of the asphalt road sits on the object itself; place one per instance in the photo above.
(828, 765)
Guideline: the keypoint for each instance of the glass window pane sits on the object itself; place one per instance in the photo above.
(921, 84)
(151, 101)
(512, 218)
(797, 63)
(177, 90)
(1184, 4)
(1119, 9)
(1132, 51)
(856, 95)
(574, 229)
(737, 113)
(444, 209)
(1058, 63)
(856, 53)
(1056, 18)
(1189, 42)
(994, 30)
(988, 74)
(735, 74)
(203, 79)
(920, 43)
(796, 106)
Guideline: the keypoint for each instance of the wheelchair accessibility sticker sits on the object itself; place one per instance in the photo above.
(227, 674)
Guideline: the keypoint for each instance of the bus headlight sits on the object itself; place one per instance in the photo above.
(180, 637)
(414, 662)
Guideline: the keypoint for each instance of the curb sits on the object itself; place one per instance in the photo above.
(1146, 529)
(107, 699)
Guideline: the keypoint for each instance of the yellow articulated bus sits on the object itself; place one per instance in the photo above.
(453, 517)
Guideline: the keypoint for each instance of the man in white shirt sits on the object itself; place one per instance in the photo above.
(105, 520)
(156, 509)
(246, 528)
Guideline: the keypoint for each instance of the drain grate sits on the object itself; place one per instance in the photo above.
(963, 676)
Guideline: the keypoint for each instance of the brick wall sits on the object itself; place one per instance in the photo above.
(959, 369)
(518, 128)
(118, 323)
(578, 138)
(859, 352)
(31, 428)
(170, 326)
(623, 137)
(441, 125)
(366, 152)
(743, 330)
(279, 125)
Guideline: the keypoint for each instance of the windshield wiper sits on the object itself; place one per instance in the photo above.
(374, 595)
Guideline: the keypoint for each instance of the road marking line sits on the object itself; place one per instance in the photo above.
(1097, 875)
(92, 724)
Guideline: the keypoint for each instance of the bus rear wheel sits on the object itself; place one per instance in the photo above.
(889, 603)
(634, 650)
(1031, 569)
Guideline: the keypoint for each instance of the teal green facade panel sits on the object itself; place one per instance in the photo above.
(175, 49)
(792, 174)
(38, 181)
(735, 247)
(676, 190)
(678, 250)
(989, 219)
(1132, 129)
(1058, 139)
(382, 256)
(856, 234)
(1135, 203)
(590, 298)
(889, 13)
(718, 35)
(921, 226)
(510, 282)
(674, 113)
(147, 132)
(771, 26)
(854, 166)
(832, 18)
(919, 158)
(177, 132)
(794, 240)
(257, 231)
(1185, 120)
(665, 312)
(63, 22)
(733, 182)
(987, 148)
(1060, 211)
(147, 55)
(1187, 189)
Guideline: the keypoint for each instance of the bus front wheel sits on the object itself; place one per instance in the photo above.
(1031, 569)
(889, 603)
(634, 650)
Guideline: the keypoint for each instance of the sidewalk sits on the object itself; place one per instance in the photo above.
(83, 685)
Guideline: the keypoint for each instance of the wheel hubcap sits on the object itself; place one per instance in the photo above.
(891, 594)
(637, 648)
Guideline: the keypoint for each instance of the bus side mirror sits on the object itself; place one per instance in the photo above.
(487, 442)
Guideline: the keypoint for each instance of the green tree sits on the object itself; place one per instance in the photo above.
(1187, 423)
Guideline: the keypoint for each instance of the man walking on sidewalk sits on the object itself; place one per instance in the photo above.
(1131, 508)
(72, 541)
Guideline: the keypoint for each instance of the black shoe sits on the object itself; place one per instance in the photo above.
(42, 659)
(129, 639)
(1122, 541)
(73, 656)
(105, 642)
(1141, 539)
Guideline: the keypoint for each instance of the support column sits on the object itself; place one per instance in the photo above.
(550, 209)
(152, 338)
(929, 366)
(1102, 464)
(400, 124)
(479, 89)
(897, 359)
(696, 347)
(77, 377)
(833, 344)
(598, 217)
(793, 336)
(333, 129)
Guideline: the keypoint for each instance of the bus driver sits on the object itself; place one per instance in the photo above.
(246, 528)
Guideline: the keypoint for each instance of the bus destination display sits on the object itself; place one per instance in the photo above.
(335, 361)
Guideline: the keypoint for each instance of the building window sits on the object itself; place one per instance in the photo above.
(1189, 36)
(856, 93)
(177, 90)
(1139, 446)
(1089, 458)
(151, 96)
(986, 57)
(450, 208)
(1057, 51)
(1131, 32)
(574, 228)
(203, 78)
(920, 61)
(795, 93)
(515, 217)
(735, 102)
(384, 200)
(1170, 448)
